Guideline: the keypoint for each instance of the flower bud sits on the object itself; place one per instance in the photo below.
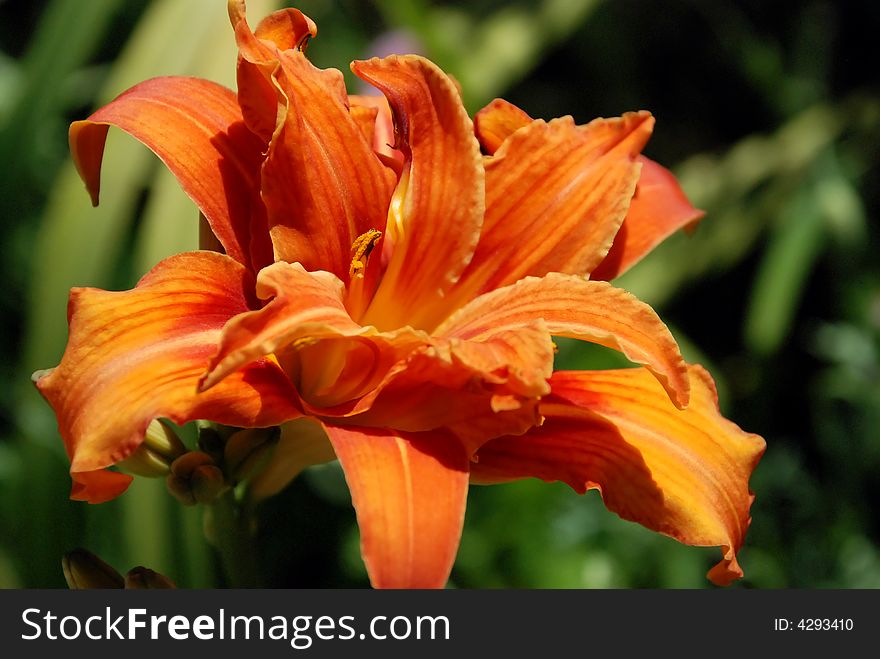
(154, 455)
(195, 478)
(303, 443)
(83, 570)
(163, 440)
(212, 439)
(248, 451)
(144, 462)
(143, 578)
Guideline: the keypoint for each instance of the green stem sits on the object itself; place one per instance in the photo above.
(234, 538)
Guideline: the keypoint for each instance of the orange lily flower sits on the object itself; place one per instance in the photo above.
(399, 301)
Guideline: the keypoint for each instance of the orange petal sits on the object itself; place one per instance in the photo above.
(381, 128)
(322, 184)
(683, 473)
(473, 415)
(437, 209)
(286, 29)
(498, 121)
(476, 389)
(409, 492)
(365, 118)
(588, 310)
(196, 128)
(329, 357)
(658, 209)
(556, 194)
(411, 382)
(137, 355)
(98, 486)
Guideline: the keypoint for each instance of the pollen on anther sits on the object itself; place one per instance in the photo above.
(360, 252)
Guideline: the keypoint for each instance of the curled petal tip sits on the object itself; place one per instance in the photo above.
(237, 10)
(727, 570)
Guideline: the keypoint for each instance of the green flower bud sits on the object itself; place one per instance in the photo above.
(303, 443)
(144, 462)
(163, 440)
(194, 478)
(153, 457)
(248, 451)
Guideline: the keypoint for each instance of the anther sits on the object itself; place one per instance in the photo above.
(360, 252)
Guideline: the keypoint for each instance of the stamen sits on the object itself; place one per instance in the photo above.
(360, 252)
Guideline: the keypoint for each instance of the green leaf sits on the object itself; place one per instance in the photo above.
(69, 33)
(742, 192)
(83, 246)
(792, 249)
(488, 55)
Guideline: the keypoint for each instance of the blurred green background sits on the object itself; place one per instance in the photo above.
(768, 112)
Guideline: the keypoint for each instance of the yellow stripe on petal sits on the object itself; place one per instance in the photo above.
(588, 310)
(323, 185)
(409, 492)
(437, 209)
(683, 473)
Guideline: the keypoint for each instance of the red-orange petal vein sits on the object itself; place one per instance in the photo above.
(556, 194)
(322, 183)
